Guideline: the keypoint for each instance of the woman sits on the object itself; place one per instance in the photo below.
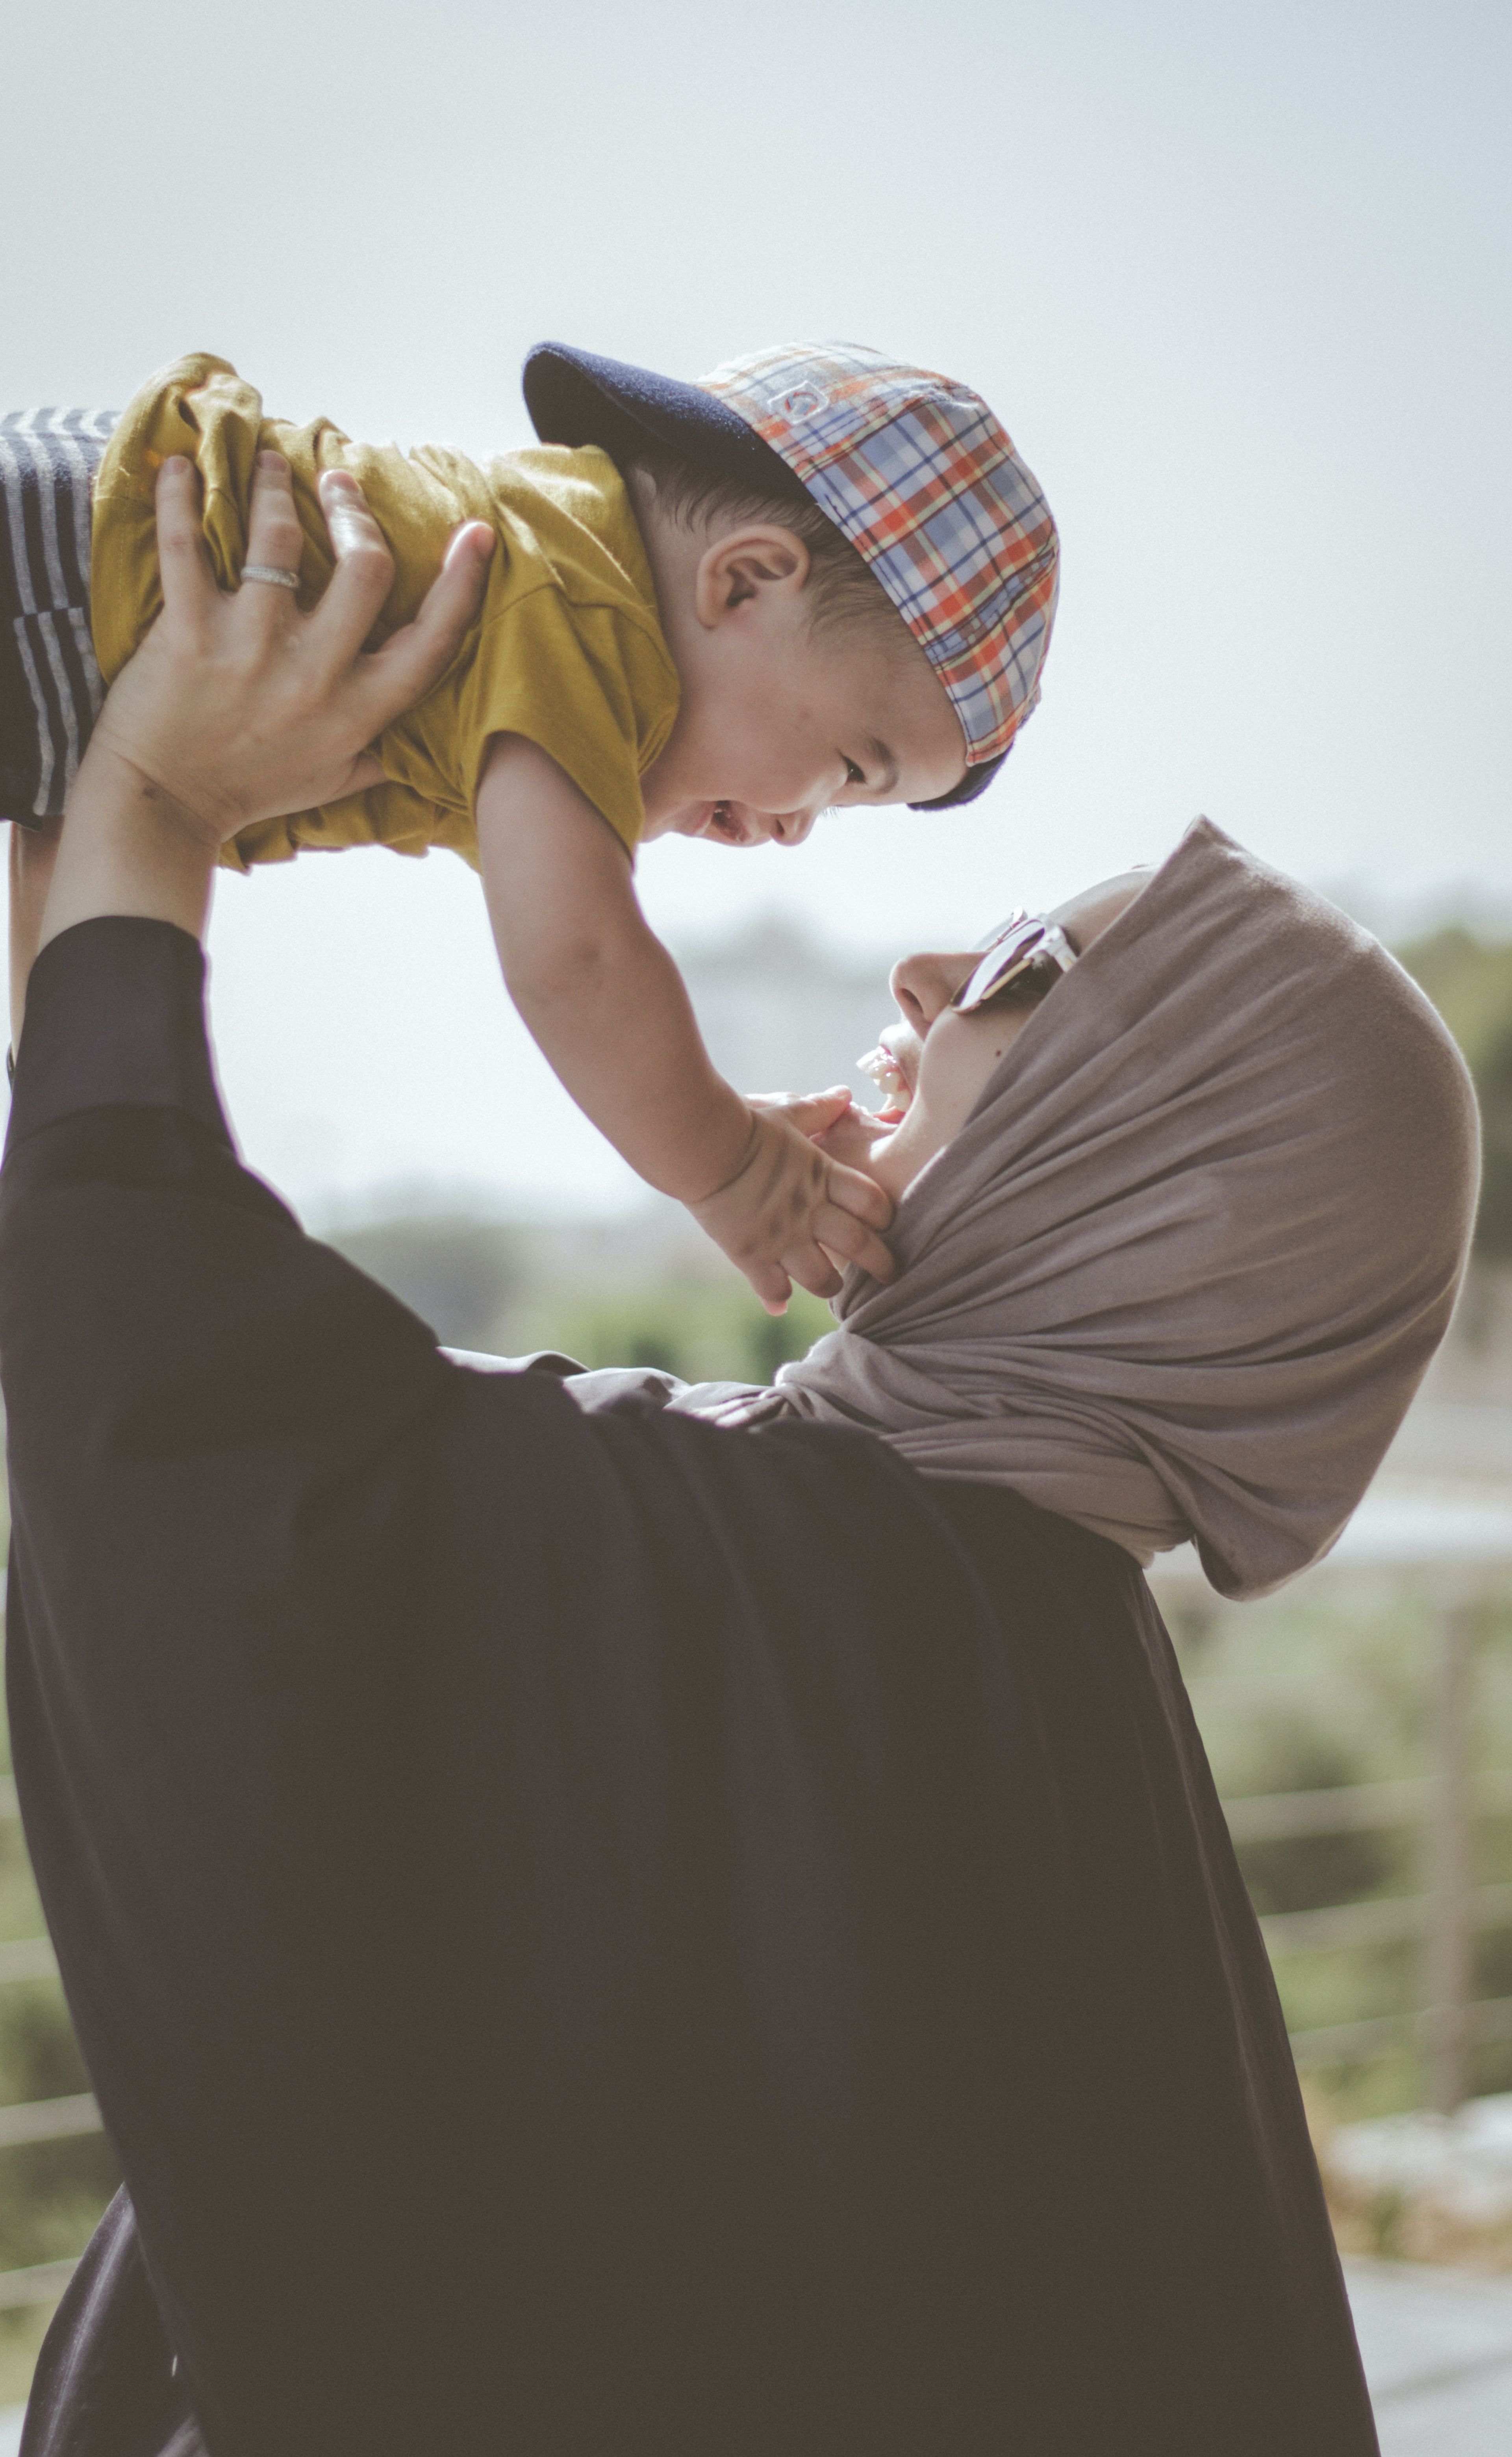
(595, 1929)
(1179, 1229)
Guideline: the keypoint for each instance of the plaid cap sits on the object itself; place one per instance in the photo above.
(917, 473)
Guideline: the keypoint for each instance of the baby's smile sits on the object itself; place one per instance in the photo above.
(739, 824)
(727, 825)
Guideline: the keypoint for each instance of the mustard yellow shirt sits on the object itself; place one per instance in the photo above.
(566, 650)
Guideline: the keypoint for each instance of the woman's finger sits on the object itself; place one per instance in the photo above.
(364, 569)
(189, 579)
(407, 665)
(274, 540)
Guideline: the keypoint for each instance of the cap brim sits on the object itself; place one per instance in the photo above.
(577, 397)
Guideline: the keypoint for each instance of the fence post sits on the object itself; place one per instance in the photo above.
(1449, 1932)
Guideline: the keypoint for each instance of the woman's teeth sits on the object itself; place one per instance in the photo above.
(889, 1078)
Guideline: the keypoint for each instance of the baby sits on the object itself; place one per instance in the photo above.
(817, 579)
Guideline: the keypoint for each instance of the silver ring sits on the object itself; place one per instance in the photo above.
(270, 572)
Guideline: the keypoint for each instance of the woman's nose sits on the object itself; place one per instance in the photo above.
(923, 986)
(790, 827)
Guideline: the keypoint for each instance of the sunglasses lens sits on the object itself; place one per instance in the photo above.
(1007, 954)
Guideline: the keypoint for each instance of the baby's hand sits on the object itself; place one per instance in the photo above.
(857, 1137)
(792, 1212)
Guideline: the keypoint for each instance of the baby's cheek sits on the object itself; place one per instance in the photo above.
(780, 772)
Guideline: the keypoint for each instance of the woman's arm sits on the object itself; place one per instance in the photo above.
(221, 1439)
(238, 707)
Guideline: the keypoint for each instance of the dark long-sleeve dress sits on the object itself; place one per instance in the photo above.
(596, 1933)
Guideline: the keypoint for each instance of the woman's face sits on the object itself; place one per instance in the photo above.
(939, 1063)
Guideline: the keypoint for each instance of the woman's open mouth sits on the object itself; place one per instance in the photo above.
(890, 1082)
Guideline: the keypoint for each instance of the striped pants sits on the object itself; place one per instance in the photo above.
(50, 685)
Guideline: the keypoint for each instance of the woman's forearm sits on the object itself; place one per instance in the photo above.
(126, 849)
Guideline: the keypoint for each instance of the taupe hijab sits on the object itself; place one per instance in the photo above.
(1181, 1271)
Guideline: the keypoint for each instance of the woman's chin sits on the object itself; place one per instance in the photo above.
(861, 1137)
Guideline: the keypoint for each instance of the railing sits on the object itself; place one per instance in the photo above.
(1457, 1556)
(1460, 1568)
(1453, 2021)
(41, 2120)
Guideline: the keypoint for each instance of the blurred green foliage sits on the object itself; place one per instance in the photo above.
(456, 1273)
(482, 1284)
(1324, 1685)
(707, 1331)
(1470, 983)
(50, 2192)
(1291, 1750)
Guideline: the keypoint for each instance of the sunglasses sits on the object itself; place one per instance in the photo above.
(1008, 951)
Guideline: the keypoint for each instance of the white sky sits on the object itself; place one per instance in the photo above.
(1236, 279)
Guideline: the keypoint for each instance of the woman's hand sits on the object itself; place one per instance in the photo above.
(238, 707)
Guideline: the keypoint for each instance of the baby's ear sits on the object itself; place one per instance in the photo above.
(737, 565)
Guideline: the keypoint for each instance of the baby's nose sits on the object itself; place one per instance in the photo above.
(790, 827)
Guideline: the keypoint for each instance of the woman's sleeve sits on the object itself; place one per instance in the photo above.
(219, 1451)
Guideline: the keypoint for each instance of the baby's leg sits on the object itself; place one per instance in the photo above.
(49, 684)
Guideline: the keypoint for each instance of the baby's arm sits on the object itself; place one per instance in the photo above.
(605, 1004)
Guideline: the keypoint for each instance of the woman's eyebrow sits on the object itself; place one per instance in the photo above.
(879, 751)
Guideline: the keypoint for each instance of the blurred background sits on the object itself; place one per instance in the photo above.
(1237, 282)
(1236, 279)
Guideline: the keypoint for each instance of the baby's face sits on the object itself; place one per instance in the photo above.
(781, 719)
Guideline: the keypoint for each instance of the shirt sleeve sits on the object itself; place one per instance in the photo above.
(115, 1018)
